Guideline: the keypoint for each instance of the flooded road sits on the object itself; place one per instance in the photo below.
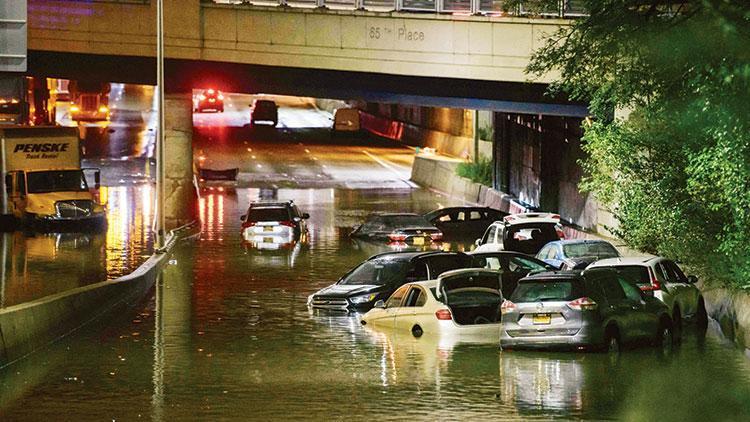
(228, 336)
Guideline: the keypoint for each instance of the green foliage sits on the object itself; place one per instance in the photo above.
(479, 172)
(676, 173)
(486, 133)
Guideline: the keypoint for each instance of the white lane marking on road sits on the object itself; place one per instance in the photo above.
(391, 167)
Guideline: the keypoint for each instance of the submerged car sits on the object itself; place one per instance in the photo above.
(665, 280)
(264, 111)
(576, 254)
(464, 222)
(526, 233)
(463, 303)
(513, 266)
(379, 276)
(272, 225)
(398, 228)
(210, 99)
(594, 309)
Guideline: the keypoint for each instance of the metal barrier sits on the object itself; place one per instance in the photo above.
(561, 8)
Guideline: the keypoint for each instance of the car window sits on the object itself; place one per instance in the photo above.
(666, 273)
(415, 297)
(547, 291)
(599, 250)
(268, 214)
(445, 218)
(612, 289)
(440, 264)
(395, 300)
(634, 273)
(418, 272)
(675, 272)
(631, 292)
(659, 272)
(517, 264)
(476, 215)
(378, 272)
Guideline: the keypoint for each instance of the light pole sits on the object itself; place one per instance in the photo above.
(160, 135)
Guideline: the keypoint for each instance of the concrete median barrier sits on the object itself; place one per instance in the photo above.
(29, 326)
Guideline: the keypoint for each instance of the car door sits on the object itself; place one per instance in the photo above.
(683, 291)
(384, 317)
(619, 308)
(645, 322)
(405, 317)
(488, 241)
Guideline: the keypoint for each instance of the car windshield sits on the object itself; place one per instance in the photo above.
(56, 181)
(635, 273)
(547, 290)
(268, 214)
(378, 272)
(600, 250)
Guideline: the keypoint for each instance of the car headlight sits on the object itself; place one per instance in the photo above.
(357, 300)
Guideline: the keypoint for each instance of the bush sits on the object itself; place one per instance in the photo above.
(479, 172)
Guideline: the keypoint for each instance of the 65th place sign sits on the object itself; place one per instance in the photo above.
(13, 27)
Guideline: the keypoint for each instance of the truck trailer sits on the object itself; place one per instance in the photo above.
(44, 186)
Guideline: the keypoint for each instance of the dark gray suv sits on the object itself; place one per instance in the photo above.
(593, 309)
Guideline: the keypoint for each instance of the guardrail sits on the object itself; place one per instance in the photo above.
(559, 8)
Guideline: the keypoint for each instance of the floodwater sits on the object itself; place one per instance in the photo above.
(227, 336)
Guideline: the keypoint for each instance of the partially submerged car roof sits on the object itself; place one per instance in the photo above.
(532, 217)
(409, 255)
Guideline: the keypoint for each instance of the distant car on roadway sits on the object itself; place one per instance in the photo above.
(272, 225)
(464, 222)
(526, 233)
(210, 99)
(403, 228)
(667, 282)
(576, 254)
(264, 111)
(460, 303)
(593, 309)
(379, 276)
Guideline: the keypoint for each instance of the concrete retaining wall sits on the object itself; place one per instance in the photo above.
(26, 327)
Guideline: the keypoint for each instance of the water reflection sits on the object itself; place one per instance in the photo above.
(29, 259)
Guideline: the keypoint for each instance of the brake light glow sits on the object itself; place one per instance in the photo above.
(582, 304)
(221, 97)
(210, 91)
(555, 216)
(397, 237)
(507, 307)
(103, 109)
(443, 315)
(560, 232)
(436, 236)
(655, 285)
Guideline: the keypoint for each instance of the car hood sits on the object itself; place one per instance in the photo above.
(344, 290)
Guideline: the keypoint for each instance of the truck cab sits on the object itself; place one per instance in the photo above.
(45, 185)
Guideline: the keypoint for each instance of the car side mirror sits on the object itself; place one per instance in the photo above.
(243, 217)
(379, 304)
(692, 279)
(478, 242)
(305, 216)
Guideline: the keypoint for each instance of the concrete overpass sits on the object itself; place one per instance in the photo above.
(303, 51)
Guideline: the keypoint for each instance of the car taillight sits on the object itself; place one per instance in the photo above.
(582, 304)
(287, 223)
(436, 236)
(397, 237)
(560, 232)
(655, 285)
(507, 307)
(443, 315)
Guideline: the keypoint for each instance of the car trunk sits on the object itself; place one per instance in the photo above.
(473, 297)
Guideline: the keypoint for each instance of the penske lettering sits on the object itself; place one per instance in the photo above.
(51, 147)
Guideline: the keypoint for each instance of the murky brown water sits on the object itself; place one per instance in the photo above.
(228, 337)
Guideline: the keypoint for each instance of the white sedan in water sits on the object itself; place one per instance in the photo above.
(461, 303)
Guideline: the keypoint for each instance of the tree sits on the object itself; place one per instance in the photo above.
(676, 172)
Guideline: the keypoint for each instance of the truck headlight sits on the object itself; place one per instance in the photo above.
(358, 300)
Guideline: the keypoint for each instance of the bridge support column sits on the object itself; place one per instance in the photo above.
(180, 199)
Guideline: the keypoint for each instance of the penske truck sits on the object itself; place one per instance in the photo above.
(44, 186)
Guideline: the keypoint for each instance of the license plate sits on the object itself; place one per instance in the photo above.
(268, 228)
(268, 240)
(542, 318)
(419, 240)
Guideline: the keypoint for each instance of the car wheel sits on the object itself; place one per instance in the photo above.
(612, 341)
(701, 316)
(416, 331)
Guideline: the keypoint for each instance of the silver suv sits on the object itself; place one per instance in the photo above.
(667, 282)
